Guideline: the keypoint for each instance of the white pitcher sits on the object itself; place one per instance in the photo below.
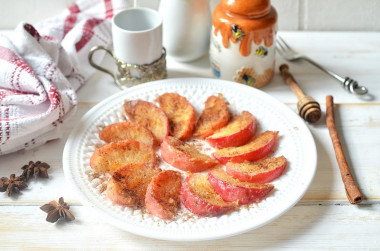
(186, 28)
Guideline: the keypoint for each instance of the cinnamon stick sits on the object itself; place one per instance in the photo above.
(352, 191)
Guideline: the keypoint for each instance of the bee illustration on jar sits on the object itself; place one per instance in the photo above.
(245, 31)
(261, 51)
(248, 80)
(237, 32)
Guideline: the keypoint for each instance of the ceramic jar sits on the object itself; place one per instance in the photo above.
(186, 28)
(242, 46)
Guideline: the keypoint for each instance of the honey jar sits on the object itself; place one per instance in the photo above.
(242, 42)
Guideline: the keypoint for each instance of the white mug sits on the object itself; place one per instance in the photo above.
(137, 47)
(137, 35)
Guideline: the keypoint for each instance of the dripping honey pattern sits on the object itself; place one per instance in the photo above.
(245, 30)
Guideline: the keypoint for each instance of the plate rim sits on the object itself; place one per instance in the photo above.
(82, 196)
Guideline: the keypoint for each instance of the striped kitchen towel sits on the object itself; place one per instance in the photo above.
(42, 66)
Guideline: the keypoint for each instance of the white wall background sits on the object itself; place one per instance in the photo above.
(313, 15)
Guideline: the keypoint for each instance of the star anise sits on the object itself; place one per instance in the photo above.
(38, 169)
(28, 170)
(57, 210)
(13, 184)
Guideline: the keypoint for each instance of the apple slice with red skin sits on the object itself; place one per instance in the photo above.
(262, 171)
(162, 196)
(127, 130)
(238, 131)
(231, 189)
(128, 184)
(215, 115)
(148, 115)
(259, 147)
(110, 157)
(184, 156)
(199, 197)
(181, 115)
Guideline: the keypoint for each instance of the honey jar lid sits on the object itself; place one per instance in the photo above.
(250, 8)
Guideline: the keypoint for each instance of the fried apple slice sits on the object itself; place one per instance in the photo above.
(259, 147)
(184, 156)
(234, 190)
(129, 183)
(117, 154)
(128, 130)
(199, 197)
(262, 171)
(237, 132)
(162, 196)
(148, 115)
(181, 115)
(214, 116)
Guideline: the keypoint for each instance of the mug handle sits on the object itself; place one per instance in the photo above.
(100, 68)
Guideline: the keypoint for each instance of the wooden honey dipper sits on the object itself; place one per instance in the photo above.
(308, 108)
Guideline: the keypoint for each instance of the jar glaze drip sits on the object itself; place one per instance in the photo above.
(255, 29)
(242, 41)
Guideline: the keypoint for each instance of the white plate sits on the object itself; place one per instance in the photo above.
(295, 143)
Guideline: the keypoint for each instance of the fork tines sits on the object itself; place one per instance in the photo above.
(281, 45)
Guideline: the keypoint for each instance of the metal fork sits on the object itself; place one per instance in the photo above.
(289, 54)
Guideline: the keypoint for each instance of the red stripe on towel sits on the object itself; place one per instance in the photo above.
(32, 31)
(88, 32)
(109, 8)
(71, 19)
(9, 56)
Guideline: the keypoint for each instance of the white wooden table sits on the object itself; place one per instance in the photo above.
(322, 219)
